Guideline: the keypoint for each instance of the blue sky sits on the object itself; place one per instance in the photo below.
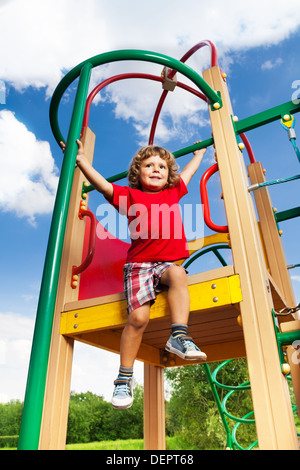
(259, 53)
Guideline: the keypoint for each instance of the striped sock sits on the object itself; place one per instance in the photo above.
(179, 330)
(125, 372)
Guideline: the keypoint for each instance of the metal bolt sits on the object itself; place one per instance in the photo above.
(213, 286)
(76, 315)
(75, 326)
(215, 299)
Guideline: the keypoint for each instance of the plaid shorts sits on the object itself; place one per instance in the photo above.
(141, 282)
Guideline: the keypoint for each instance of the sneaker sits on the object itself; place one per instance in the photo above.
(184, 347)
(123, 394)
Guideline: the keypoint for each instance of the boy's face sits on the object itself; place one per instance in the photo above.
(154, 174)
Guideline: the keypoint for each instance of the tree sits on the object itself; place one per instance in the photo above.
(192, 413)
(93, 419)
(10, 417)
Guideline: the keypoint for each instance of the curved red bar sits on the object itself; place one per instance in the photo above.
(214, 55)
(124, 76)
(248, 148)
(106, 82)
(187, 55)
(92, 243)
(204, 198)
(171, 74)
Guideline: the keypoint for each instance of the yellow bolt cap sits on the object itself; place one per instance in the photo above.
(286, 369)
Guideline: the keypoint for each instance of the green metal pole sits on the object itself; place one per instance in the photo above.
(265, 117)
(37, 373)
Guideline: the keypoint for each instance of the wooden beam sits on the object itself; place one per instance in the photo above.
(271, 401)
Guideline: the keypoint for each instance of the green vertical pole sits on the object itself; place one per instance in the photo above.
(37, 373)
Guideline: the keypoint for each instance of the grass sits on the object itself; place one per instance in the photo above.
(129, 444)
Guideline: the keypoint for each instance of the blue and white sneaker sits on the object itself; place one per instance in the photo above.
(123, 394)
(184, 347)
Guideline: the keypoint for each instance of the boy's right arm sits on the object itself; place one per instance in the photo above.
(95, 178)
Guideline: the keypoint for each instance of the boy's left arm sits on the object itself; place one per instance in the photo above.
(190, 169)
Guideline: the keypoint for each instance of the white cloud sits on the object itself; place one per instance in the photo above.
(59, 34)
(15, 347)
(93, 369)
(271, 64)
(28, 177)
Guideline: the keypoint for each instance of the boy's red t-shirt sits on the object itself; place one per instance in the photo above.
(154, 221)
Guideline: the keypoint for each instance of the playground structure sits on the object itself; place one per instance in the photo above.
(234, 309)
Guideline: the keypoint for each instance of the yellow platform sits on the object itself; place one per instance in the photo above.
(215, 297)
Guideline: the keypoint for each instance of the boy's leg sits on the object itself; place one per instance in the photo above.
(130, 343)
(179, 305)
(133, 333)
(178, 294)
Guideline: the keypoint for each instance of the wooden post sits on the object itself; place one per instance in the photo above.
(271, 401)
(56, 402)
(154, 408)
(294, 362)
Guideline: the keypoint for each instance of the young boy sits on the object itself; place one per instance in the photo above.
(157, 241)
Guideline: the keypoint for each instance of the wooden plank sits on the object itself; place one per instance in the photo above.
(205, 295)
(210, 275)
(271, 401)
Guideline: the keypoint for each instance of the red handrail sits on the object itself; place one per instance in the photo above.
(91, 247)
(248, 148)
(125, 76)
(187, 55)
(204, 198)
(98, 88)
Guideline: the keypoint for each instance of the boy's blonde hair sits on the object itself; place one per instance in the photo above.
(147, 152)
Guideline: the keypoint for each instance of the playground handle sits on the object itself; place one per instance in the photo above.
(204, 198)
(171, 74)
(125, 76)
(92, 242)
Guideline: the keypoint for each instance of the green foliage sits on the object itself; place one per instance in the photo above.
(93, 419)
(10, 419)
(192, 417)
(8, 441)
(127, 444)
(192, 413)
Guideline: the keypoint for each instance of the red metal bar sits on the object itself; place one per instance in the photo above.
(106, 82)
(91, 246)
(204, 199)
(124, 76)
(214, 55)
(187, 55)
(248, 148)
